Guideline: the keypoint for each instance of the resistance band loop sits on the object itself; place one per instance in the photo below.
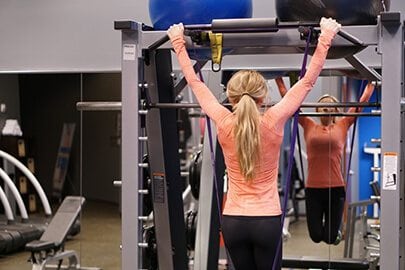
(293, 80)
(214, 171)
(212, 152)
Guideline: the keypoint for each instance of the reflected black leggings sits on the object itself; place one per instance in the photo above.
(324, 213)
(252, 241)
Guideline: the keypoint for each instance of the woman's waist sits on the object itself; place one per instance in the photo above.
(269, 208)
(248, 200)
(325, 182)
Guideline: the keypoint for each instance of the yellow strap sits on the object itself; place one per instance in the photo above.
(216, 50)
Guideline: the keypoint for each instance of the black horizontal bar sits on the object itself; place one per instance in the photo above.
(304, 105)
(339, 114)
(327, 263)
(158, 43)
(317, 114)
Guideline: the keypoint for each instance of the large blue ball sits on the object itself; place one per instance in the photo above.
(164, 13)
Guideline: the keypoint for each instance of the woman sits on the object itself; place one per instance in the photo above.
(251, 142)
(325, 186)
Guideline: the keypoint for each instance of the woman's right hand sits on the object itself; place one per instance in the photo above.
(175, 30)
(330, 25)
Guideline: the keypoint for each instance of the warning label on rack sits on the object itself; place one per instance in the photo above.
(390, 171)
(128, 52)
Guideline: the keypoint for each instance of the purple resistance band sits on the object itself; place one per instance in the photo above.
(212, 152)
(291, 156)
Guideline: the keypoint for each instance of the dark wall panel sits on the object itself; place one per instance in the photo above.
(48, 101)
(101, 134)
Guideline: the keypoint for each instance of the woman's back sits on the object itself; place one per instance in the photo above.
(259, 196)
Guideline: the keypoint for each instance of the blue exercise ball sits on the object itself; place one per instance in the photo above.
(164, 13)
(346, 12)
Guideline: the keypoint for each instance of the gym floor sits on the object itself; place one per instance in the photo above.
(98, 243)
(100, 238)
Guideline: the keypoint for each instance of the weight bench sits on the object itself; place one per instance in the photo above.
(322, 263)
(50, 247)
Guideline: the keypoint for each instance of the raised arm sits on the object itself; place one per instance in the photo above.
(367, 93)
(365, 97)
(303, 120)
(204, 96)
(296, 95)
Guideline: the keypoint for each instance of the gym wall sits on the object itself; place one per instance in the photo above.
(75, 36)
(398, 5)
(9, 96)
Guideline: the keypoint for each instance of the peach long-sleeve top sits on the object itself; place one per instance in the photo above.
(325, 146)
(258, 197)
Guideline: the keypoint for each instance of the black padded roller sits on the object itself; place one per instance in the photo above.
(20, 235)
(244, 25)
(6, 242)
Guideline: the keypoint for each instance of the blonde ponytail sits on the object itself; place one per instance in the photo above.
(247, 136)
(247, 89)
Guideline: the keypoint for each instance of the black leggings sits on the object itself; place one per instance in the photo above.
(324, 209)
(252, 241)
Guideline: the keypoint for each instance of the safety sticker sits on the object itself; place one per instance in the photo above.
(158, 180)
(390, 171)
(129, 52)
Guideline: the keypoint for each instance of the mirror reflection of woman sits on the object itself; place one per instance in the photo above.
(325, 186)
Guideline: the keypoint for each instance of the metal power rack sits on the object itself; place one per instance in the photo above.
(143, 69)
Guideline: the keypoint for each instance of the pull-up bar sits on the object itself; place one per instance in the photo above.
(251, 25)
(116, 105)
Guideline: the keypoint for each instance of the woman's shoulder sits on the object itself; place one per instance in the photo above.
(226, 124)
(343, 122)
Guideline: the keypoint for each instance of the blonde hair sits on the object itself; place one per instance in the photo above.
(246, 89)
(328, 96)
(334, 99)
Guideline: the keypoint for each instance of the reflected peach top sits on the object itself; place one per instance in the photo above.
(325, 148)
